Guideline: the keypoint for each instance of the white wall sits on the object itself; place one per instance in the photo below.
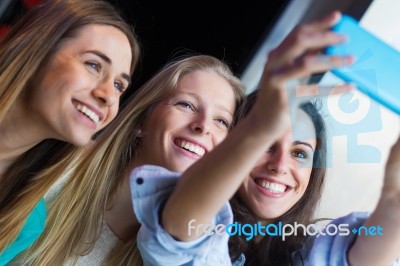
(356, 186)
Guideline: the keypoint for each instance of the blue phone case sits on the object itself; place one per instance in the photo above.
(376, 71)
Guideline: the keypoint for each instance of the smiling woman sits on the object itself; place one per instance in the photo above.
(77, 92)
(63, 67)
(178, 116)
(209, 112)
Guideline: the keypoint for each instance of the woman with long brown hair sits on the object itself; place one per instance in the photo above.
(61, 78)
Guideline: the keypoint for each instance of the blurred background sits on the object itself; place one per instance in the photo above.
(242, 33)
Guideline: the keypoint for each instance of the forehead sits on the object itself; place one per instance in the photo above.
(108, 39)
(302, 129)
(210, 87)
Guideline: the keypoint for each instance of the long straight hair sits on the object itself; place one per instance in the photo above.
(272, 250)
(77, 215)
(25, 49)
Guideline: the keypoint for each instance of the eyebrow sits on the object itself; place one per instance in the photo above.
(297, 142)
(108, 61)
(198, 99)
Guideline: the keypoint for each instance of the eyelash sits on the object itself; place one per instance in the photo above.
(122, 87)
(224, 122)
(193, 108)
(95, 65)
(296, 152)
(186, 104)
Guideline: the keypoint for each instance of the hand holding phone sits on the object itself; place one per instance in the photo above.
(376, 69)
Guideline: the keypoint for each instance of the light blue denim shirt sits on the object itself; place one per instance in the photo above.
(331, 250)
(150, 187)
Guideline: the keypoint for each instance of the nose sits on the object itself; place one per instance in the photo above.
(201, 125)
(278, 161)
(105, 92)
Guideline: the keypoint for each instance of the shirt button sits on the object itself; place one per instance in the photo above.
(139, 181)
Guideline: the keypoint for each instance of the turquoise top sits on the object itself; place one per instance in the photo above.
(32, 229)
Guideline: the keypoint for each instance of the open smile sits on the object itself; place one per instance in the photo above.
(271, 188)
(190, 147)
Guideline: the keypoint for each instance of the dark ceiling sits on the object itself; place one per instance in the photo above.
(229, 30)
(225, 29)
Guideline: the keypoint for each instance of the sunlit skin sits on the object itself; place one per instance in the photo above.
(287, 167)
(200, 112)
(88, 70)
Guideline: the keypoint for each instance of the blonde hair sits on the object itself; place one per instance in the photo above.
(76, 216)
(23, 51)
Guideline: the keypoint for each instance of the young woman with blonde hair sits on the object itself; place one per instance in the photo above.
(60, 82)
(177, 116)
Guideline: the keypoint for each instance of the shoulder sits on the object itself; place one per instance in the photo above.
(150, 179)
(332, 242)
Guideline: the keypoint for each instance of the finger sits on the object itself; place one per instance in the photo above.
(323, 91)
(309, 65)
(324, 23)
(394, 156)
(298, 44)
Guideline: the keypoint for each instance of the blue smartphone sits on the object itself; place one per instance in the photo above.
(376, 70)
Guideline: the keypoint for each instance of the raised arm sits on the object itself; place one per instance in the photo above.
(382, 250)
(212, 181)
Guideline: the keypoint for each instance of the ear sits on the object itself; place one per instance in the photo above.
(138, 132)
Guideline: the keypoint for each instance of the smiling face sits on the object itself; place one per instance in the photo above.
(77, 92)
(190, 122)
(281, 176)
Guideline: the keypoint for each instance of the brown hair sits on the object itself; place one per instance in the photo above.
(272, 250)
(24, 50)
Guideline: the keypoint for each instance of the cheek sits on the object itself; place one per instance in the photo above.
(112, 113)
(303, 178)
(219, 137)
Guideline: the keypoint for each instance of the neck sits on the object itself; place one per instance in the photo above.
(120, 217)
(19, 132)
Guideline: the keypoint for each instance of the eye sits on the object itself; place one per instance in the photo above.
(299, 154)
(186, 105)
(94, 65)
(119, 86)
(224, 122)
(271, 149)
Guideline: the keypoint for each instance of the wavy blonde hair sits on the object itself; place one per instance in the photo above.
(77, 215)
(24, 50)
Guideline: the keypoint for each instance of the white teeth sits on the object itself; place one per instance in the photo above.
(191, 147)
(89, 113)
(273, 187)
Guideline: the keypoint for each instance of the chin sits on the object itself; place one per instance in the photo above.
(80, 141)
(178, 167)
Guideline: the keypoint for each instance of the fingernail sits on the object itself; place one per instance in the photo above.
(342, 37)
(349, 60)
(335, 16)
(351, 86)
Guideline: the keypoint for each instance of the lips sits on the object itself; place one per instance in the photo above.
(271, 186)
(89, 112)
(190, 146)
